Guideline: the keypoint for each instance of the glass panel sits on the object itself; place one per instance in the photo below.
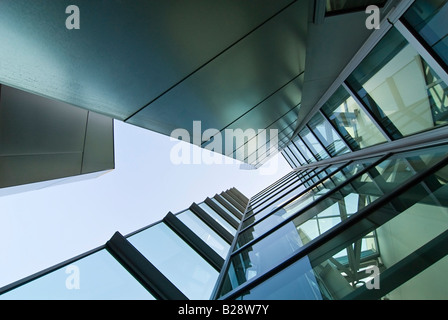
(341, 6)
(293, 158)
(351, 121)
(230, 204)
(327, 135)
(314, 145)
(403, 92)
(431, 284)
(282, 189)
(218, 218)
(281, 244)
(298, 155)
(96, 276)
(225, 209)
(304, 149)
(297, 282)
(287, 158)
(183, 266)
(304, 200)
(204, 232)
(400, 227)
(281, 199)
(428, 18)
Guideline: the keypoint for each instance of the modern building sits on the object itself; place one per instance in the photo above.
(359, 99)
(370, 228)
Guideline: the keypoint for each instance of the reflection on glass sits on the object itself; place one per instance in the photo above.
(351, 121)
(304, 149)
(428, 18)
(297, 154)
(383, 178)
(313, 144)
(403, 92)
(294, 207)
(400, 227)
(281, 199)
(203, 231)
(183, 266)
(282, 189)
(225, 209)
(297, 282)
(327, 135)
(96, 276)
(297, 159)
(218, 218)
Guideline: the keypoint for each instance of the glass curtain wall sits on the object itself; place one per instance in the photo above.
(188, 249)
(394, 92)
(371, 215)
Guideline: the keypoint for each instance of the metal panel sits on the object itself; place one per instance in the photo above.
(99, 144)
(125, 53)
(31, 124)
(237, 80)
(19, 170)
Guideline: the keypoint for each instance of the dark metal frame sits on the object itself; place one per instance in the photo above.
(226, 216)
(196, 243)
(142, 270)
(227, 205)
(279, 188)
(212, 223)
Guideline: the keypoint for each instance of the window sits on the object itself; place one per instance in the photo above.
(327, 135)
(100, 276)
(313, 144)
(183, 266)
(428, 18)
(400, 88)
(351, 121)
(203, 231)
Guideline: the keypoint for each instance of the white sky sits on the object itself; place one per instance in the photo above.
(41, 228)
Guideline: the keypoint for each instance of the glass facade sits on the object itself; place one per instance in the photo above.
(363, 227)
(179, 257)
(371, 214)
